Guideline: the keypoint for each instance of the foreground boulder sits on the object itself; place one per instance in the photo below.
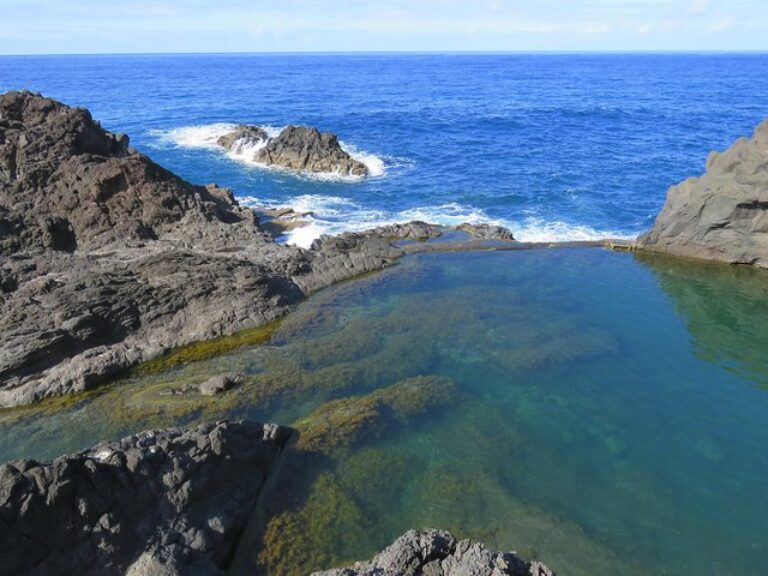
(296, 148)
(722, 215)
(438, 553)
(162, 502)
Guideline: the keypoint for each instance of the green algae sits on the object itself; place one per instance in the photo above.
(338, 425)
(299, 542)
(206, 349)
(48, 406)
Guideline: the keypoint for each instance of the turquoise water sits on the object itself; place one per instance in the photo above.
(602, 411)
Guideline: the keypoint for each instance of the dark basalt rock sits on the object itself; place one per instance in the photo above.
(487, 232)
(415, 230)
(722, 215)
(243, 136)
(297, 148)
(438, 553)
(66, 184)
(162, 502)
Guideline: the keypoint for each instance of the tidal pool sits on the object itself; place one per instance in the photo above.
(601, 411)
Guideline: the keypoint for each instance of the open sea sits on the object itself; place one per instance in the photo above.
(553, 146)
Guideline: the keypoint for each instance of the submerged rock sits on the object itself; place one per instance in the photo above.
(161, 502)
(722, 215)
(219, 384)
(439, 553)
(296, 148)
(336, 426)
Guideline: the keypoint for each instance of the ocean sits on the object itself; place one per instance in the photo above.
(554, 146)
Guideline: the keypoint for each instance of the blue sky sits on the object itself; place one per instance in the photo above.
(106, 26)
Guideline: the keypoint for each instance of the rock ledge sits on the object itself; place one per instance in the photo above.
(439, 553)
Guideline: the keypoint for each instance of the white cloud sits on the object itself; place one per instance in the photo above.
(698, 6)
(721, 25)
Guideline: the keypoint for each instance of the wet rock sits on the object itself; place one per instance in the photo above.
(416, 230)
(722, 215)
(439, 553)
(243, 136)
(308, 149)
(161, 502)
(220, 384)
(486, 231)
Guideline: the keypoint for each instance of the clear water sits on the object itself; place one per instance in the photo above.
(610, 414)
(554, 146)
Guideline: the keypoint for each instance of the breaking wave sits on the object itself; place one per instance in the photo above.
(333, 215)
(205, 136)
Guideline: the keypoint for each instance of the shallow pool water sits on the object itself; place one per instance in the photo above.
(601, 411)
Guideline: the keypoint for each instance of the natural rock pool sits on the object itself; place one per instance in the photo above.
(602, 411)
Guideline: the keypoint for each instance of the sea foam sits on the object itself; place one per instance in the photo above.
(335, 214)
(205, 136)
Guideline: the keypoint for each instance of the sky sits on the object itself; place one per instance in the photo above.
(139, 26)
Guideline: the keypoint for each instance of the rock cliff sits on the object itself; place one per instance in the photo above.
(722, 215)
(108, 260)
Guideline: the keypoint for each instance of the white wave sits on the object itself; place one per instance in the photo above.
(205, 136)
(334, 215)
(533, 229)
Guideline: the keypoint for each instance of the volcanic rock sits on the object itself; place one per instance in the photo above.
(722, 215)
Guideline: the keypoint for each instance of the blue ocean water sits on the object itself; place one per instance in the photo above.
(554, 146)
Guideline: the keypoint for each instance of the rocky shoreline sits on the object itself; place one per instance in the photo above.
(108, 260)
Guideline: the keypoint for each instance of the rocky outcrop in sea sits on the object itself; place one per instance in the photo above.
(296, 148)
(722, 215)
(439, 553)
(160, 503)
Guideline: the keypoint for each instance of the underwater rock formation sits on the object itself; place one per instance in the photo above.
(162, 502)
(439, 553)
(296, 148)
(722, 215)
(335, 426)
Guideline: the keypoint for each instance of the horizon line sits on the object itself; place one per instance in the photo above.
(397, 52)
